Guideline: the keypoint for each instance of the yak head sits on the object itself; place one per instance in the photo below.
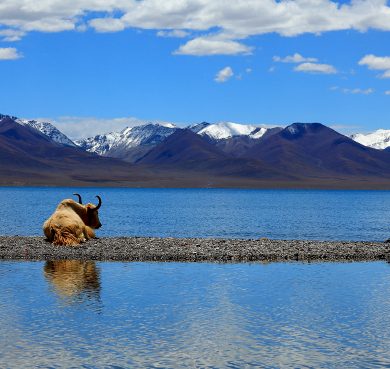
(90, 216)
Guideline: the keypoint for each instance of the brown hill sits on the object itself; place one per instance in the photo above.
(302, 156)
(237, 145)
(186, 153)
(182, 145)
(29, 157)
(312, 148)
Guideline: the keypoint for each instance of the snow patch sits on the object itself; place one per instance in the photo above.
(256, 134)
(129, 137)
(49, 130)
(221, 130)
(379, 139)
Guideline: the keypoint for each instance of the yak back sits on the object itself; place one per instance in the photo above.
(85, 212)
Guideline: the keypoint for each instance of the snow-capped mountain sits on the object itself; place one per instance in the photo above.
(198, 126)
(379, 139)
(114, 142)
(44, 127)
(99, 144)
(258, 133)
(146, 135)
(49, 130)
(133, 142)
(221, 130)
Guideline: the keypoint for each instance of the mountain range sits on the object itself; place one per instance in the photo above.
(28, 157)
(379, 139)
(131, 144)
(224, 154)
(231, 137)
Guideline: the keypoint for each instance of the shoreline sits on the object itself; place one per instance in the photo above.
(169, 249)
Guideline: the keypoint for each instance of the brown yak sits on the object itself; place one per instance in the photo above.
(72, 222)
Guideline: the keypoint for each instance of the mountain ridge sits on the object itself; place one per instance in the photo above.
(313, 147)
(379, 139)
(182, 145)
(302, 155)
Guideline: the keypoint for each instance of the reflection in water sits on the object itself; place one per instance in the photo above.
(173, 315)
(74, 281)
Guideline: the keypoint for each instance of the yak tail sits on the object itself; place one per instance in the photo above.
(62, 237)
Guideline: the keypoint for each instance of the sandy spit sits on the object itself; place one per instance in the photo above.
(169, 249)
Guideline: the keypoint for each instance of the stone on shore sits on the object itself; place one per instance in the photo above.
(151, 249)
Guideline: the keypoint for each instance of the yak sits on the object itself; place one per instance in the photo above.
(72, 223)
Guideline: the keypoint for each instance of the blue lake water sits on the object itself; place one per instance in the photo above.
(174, 315)
(216, 213)
(74, 314)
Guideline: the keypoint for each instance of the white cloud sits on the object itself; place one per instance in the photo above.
(212, 46)
(333, 88)
(236, 20)
(11, 35)
(108, 24)
(84, 127)
(358, 91)
(308, 65)
(9, 53)
(223, 75)
(377, 63)
(387, 93)
(296, 58)
(386, 74)
(248, 70)
(315, 68)
(175, 33)
(272, 69)
(343, 126)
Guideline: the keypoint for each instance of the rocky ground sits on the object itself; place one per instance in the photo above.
(192, 250)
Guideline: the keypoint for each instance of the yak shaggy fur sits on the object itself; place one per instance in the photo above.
(72, 223)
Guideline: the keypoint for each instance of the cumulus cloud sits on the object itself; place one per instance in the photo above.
(105, 25)
(315, 68)
(213, 46)
(9, 53)
(377, 63)
(333, 88)
(223, 75)
(387, 93)
(296, 58)
(236, 20)
(175, 33)
(358, 91)
(308, 65)
(11, 35)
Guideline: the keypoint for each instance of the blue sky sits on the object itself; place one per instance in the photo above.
(92, 66)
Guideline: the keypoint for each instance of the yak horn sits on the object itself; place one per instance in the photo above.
(100, 203)
(76, 194)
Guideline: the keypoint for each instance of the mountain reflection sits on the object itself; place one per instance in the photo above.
(74, 281)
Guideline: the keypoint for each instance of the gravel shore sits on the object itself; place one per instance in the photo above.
(192, 250)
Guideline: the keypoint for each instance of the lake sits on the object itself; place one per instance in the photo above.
(77, 314)
(338, 215)
(173, 315)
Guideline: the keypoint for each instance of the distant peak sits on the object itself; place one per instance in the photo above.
(2, 116)
(297, 128)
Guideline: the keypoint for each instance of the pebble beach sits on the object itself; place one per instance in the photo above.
(151, 249)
